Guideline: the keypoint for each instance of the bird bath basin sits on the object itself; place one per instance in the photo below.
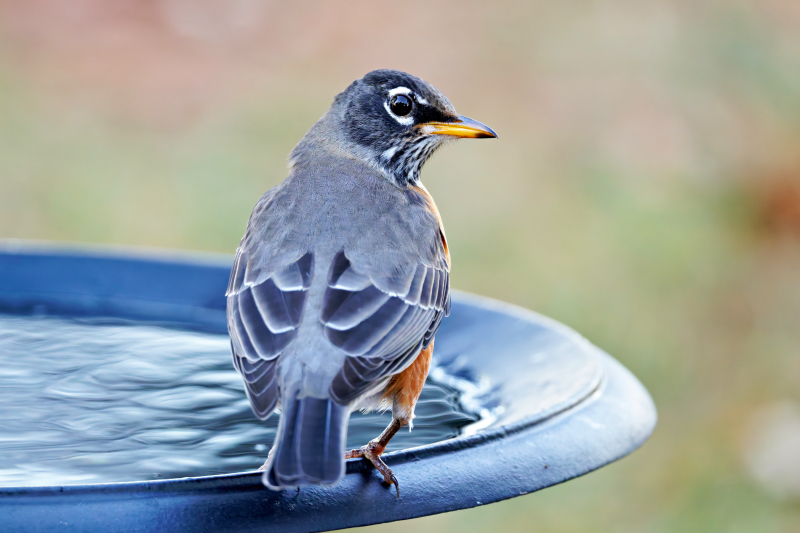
(517, 402)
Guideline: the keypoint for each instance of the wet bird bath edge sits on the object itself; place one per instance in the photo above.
(560, 407)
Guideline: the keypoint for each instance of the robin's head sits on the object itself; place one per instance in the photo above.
(396, 121)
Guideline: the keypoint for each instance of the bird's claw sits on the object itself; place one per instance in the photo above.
(393, 481)
(388, 476)
(372, 452)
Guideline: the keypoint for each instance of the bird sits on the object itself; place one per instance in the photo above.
(342, 277)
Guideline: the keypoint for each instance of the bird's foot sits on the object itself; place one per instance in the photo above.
(372, 452)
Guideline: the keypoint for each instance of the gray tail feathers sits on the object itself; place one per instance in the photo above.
(310, 443)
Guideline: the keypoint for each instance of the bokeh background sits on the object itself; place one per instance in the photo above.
(645, 190)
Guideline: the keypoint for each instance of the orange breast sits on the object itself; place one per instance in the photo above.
(404, 388)
(422, 191)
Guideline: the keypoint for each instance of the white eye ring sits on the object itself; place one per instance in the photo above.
(405, 121)
(400, 90)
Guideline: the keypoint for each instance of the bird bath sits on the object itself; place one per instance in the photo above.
(517, 402)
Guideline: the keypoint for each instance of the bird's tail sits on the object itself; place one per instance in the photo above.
(310, 443)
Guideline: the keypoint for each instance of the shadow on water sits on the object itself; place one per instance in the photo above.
(84, 402)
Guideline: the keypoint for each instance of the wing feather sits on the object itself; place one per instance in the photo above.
(357, 308)
(257, 331)
(380, 322)
(263, 317)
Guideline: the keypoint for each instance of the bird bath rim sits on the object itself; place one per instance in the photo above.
(187, 291)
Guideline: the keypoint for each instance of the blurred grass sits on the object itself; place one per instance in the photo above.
(625, 196)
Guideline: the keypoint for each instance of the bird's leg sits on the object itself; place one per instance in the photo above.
(376, 447)
(403, 390)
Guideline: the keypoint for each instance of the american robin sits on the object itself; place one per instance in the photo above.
(342, 277)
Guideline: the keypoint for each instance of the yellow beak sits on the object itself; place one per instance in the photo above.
(461, 127)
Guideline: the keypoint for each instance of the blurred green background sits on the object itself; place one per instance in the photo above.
(645, 190)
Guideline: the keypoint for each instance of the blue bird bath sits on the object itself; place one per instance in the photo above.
(537, 405)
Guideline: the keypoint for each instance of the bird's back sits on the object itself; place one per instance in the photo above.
(331, 206)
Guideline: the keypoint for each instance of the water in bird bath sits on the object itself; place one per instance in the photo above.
(87, 402)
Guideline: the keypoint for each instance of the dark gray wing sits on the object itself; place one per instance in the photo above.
(264, 312)
(381, 321)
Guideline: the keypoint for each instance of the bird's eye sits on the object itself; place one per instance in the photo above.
(400, 105)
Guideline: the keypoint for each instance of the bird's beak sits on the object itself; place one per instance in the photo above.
(460, 127)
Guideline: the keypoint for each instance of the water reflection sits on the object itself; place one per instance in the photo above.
(92, 403)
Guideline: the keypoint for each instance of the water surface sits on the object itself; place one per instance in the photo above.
(91, 402)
